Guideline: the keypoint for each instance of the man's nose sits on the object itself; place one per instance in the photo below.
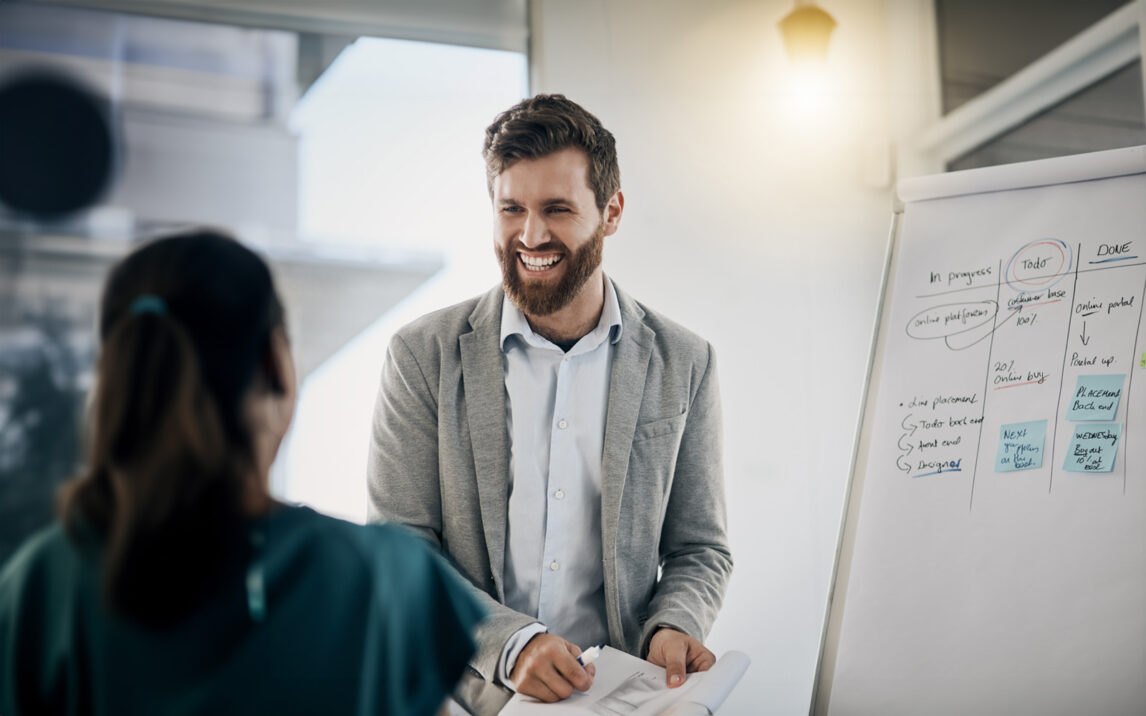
(534, 233)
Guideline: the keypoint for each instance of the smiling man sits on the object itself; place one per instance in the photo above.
(558, 439)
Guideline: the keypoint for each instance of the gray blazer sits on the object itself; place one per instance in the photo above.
(439, 463)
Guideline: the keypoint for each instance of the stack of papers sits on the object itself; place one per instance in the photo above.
(628, 686)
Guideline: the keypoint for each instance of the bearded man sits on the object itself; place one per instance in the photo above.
(560, 441)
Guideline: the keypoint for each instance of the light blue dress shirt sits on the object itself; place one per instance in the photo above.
(555, 415)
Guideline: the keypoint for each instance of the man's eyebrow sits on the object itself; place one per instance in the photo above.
(553, 201)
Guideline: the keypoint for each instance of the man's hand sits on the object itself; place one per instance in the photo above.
(678, 653)
(547, 669)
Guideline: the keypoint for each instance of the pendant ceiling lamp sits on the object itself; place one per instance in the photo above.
(806, 31)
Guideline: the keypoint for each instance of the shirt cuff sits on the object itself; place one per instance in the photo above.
(512, 650)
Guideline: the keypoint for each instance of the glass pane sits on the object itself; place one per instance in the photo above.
(983, 42)
(353, 164)
(1106, 115)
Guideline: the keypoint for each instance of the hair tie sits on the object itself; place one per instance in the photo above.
(148, 303)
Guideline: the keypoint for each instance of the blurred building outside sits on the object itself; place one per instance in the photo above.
(352, 163)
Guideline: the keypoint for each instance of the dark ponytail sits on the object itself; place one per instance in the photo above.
(185, 325)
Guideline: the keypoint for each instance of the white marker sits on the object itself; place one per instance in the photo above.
(589, 655)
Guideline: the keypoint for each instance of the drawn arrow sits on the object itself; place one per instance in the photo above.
(1085, 340)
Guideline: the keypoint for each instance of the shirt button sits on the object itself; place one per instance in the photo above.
(560, 494)
(562, 424)
(553, 566)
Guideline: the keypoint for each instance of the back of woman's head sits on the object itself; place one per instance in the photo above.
(185, 328)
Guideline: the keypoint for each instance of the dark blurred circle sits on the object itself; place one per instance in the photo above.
(56, 145)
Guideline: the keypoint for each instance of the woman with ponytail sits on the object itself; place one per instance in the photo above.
(173, 583)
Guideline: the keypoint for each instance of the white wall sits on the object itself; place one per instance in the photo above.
(753, 225)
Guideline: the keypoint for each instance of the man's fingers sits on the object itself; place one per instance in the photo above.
(547, 669)
(571, 670)
(538, 689)
(679, 653)
(675, 653)
(557, 683)
(703, 660)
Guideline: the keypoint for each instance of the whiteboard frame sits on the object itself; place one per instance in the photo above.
(1023, 175)
(893, 235)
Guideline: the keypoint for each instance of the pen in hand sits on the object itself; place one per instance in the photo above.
(589, 655)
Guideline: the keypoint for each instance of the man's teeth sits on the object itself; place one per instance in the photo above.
(535, 263)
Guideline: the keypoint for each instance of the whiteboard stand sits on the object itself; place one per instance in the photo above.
(992, 558)
(897, 214)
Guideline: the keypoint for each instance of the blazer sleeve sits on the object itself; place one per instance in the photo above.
(404, 485)
(402, 468)
(695, 558)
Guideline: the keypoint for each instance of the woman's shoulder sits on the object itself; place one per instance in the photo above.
(47, 548)
(371, 543)
(399, 565)
(45, 561)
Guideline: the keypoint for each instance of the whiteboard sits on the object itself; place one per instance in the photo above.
(993, 555)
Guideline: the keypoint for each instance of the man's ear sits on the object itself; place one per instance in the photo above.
(613, 211)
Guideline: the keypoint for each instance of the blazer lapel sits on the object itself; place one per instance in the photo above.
(483, 381)
(626, 388)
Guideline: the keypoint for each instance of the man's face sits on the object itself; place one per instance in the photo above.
(548, 232)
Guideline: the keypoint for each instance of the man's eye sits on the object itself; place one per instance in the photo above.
(511, 209)
(558, 210)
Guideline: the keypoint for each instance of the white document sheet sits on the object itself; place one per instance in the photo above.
(628, 686)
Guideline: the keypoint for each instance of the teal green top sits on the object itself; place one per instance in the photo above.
(333, 618)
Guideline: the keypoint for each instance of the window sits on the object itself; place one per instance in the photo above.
(1106, 115)
(986, 52)
(352, 162)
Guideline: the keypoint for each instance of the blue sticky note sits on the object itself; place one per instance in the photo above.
(1095, 397)
(1021, 446)
(1093, 447)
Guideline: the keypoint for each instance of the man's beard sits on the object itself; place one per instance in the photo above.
(540, 298)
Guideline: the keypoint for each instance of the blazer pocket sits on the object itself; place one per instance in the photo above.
(657, 428)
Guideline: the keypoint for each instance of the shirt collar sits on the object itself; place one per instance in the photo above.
(513, 322)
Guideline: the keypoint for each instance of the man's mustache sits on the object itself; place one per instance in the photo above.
(548, 247)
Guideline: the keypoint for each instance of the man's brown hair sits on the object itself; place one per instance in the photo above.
(541, 125)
